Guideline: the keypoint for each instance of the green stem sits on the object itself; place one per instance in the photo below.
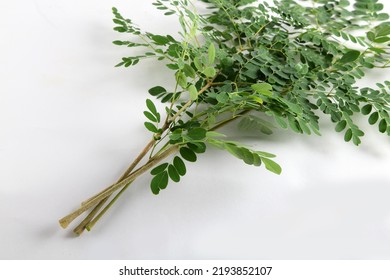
(189, 102)
(225, 122)
(80, 228)
(133, 165)
(91, 224)
(65, 221)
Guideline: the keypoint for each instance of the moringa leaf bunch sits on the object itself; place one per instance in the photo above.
(290, 61)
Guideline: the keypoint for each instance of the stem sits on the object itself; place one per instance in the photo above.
(81, 227)
(189, 103)
(91, 224)
(225, 122)
(132, 166)
(152, 162)
(65, 221)
(232, 21)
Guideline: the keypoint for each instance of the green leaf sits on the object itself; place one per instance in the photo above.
(341, 126)
(302, 69)
(382, 16)
(373, 118)
(120, 29)
(257, 99)
(356, 140)
(280, 121)
(378, 7)
(248, 156)
(366, 109)
(272, 166)
(197, 147)
(305, 128)
(234, 150)
(157, 90)
(256, 160)
(120, 64)
(222, 97)
(371, 36)
(150, 116)
(263, 89)
(382, 30)
(211, 54)
(294, 125)
(382, 126)
(151, 127)
(209, 72)
(151, 107)
(159, 182)
(344, 3)
(265, 154)
(198, 63)
(160, 40)
(172, 66)
(193, 92)
(188, 154)
(159, 169)
(381, 40)
(119, 43)
(154, 186)
(179, 165)
(197, 133)
(173, 174)
(348, 135)
(349, 56)
(181, 79)
(214, 134)
(189, 71)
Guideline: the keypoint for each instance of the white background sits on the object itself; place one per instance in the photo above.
(71, 123)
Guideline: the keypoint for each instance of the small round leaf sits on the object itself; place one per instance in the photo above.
(248, 156)
(180, 166)
(272, 166)
(173, 173)
(150, 116)
(197, 133)
(159, 169)
(157, 90)
(383, 126)
(256, 160)
(348, 135)
(373, 118)
(366, 109)
(341, 126)
(198, 147)
(159, 182)
(349, 56)
(188, 154)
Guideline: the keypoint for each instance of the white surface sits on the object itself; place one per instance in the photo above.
(71, 123)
